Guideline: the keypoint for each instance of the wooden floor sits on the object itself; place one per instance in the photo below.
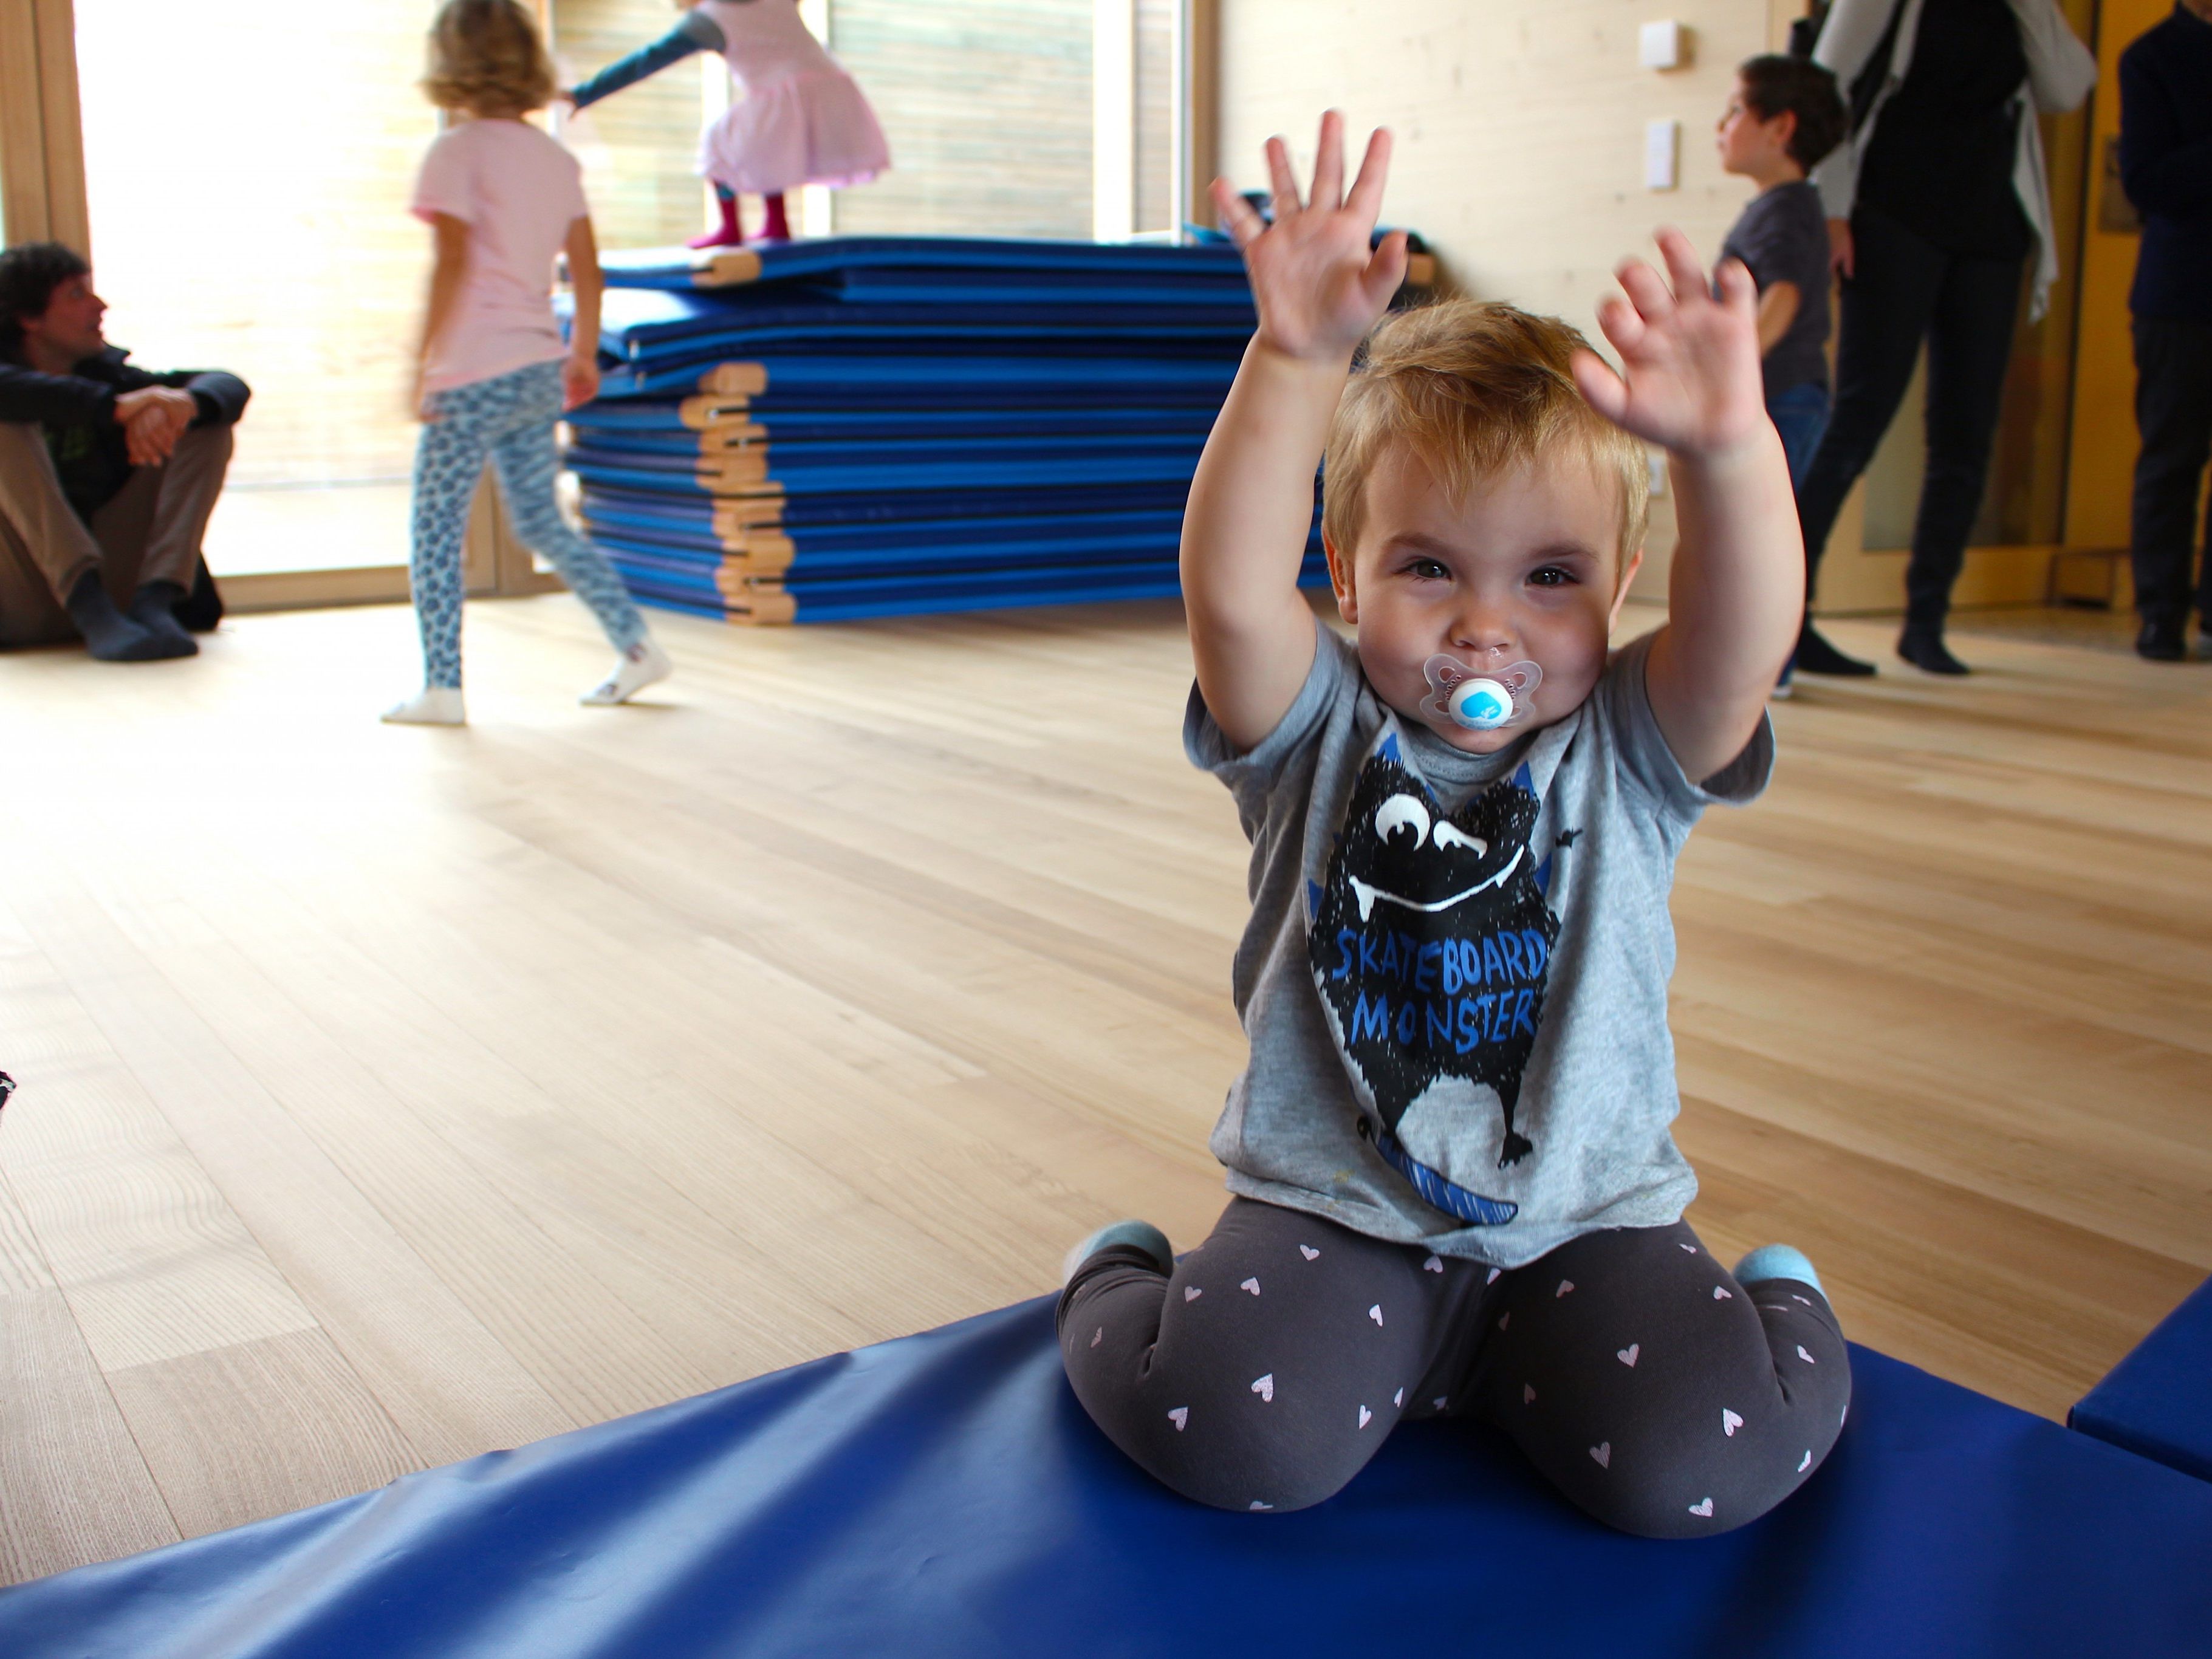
(389, 1095)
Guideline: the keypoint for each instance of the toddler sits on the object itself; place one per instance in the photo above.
(1454, 1189)
(1782, 120)
(494, 377)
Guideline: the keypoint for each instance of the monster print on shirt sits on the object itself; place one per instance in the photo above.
(1430, 942)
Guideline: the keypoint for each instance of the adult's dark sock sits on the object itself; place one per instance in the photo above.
(109, 634)
(153, 608)
(1816, 656)
(1924, 650)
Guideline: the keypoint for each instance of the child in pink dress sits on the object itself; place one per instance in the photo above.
(802, 121)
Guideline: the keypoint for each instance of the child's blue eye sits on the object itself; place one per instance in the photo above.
(1427, 570)
(1550, 575)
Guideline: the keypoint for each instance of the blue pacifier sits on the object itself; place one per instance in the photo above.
(1477, 701)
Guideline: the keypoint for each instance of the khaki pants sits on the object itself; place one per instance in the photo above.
(149, 533)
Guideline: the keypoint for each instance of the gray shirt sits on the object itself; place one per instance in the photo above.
(1782, 236)
(1454, 977)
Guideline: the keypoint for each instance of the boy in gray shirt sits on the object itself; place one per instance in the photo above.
(1455, 1188)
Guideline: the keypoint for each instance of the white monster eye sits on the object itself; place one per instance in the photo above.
(1451, 834)
(1400, 812)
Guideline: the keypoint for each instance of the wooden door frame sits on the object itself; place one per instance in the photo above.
(42, 181)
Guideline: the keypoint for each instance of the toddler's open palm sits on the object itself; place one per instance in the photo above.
(1318, 283)
(1690, 359)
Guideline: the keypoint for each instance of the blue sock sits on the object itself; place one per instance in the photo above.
(1777, 1261)
(1141, 1235)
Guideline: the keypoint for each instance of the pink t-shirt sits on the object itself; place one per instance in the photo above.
(518, 191)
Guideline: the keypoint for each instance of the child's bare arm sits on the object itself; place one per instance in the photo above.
(1319, 289)
(1736, 594)
(1777, 309)
(580, 370)
(450, 238)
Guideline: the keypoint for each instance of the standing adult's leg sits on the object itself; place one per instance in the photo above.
(2173, 413)
(1969, 347)
(1270, 1366)
(1884, 313)
(1656, 1391)
(1887, 304)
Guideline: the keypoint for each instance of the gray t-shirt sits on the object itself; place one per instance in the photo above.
(1782, 236)
(1454, 977)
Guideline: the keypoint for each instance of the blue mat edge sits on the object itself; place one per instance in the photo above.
(2166, 1375)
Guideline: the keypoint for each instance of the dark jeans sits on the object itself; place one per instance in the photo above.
(1628, 1365)
(1799, 416)
(1907, 289)
(2173, 410)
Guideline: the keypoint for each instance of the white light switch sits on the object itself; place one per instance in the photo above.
(1662, 139)
(1659, 45)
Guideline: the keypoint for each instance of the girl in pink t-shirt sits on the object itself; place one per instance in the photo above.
(802, 121)
(502, 199)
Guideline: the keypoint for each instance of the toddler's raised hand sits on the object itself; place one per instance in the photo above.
(1691, 360)
(1317, 282)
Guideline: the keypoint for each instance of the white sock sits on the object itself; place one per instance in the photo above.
(434, 705)
(642, 665)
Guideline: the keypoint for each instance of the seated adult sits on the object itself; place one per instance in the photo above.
(109, 472)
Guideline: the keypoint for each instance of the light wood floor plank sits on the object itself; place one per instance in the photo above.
(76, 1487)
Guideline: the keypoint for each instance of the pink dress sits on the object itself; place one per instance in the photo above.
(802, 121)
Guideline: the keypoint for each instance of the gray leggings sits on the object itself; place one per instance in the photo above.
(1629, 1367)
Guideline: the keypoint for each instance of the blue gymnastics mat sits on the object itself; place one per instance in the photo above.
(642, 325)
(944, 1495)
(2158, 1401)
(831, 256)
(922, 380)
(666, 419)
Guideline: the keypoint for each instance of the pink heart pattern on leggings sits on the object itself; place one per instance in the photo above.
(1705, 1509)
(1603, 1453)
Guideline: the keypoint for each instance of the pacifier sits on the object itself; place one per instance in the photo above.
(1478, 701)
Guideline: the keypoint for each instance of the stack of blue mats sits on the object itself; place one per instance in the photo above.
(871, 426)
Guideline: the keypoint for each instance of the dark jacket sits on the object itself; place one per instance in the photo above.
(2165, 164)
(77, 410)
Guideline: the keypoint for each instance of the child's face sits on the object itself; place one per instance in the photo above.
(1528, 567)
(1750, 145)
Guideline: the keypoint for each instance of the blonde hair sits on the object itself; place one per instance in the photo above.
(486, 58)
(1472, 389)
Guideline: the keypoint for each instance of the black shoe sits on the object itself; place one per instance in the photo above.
(1816, 656)
(2162, 641)
(1925, 650)
(153, 608)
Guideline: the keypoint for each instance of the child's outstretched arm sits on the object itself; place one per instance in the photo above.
(1736, 594)
(697, 33)
(1319, 287)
